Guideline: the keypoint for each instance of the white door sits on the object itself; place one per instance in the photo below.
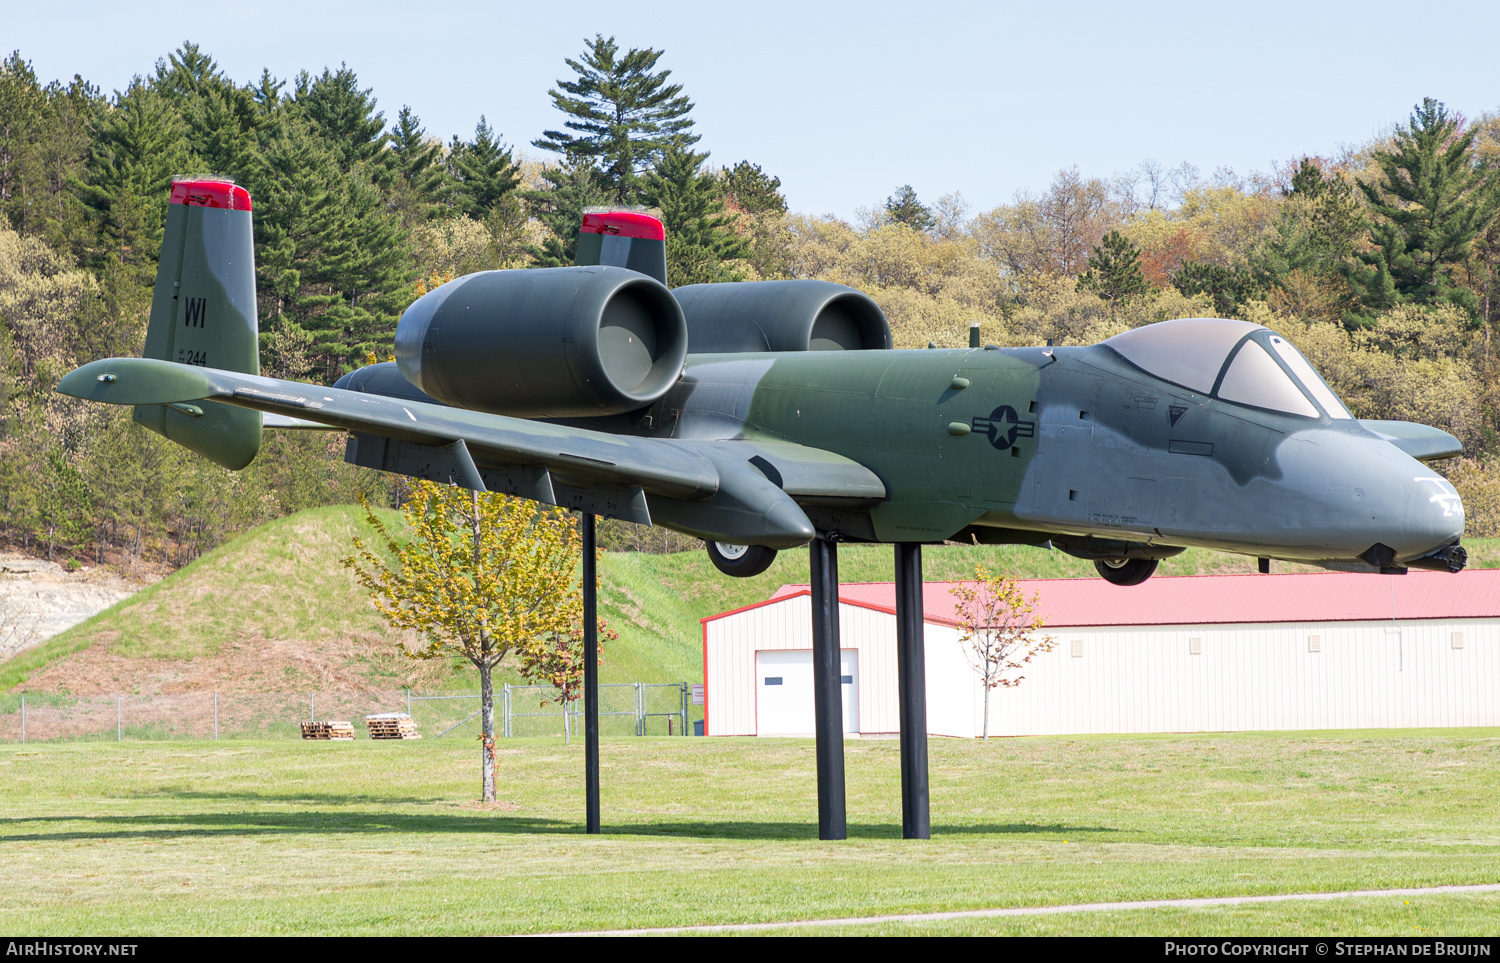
(784, 692)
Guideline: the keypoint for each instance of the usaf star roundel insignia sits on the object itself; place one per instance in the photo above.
(1003, 427)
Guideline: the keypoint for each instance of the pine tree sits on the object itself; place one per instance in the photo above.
(45, 134)
(625, 115)
(331, 259)
(222, 121)
(1230, 287)
(23, 120)
(751, 190)
(224, 125)
(699, 236)
(571, 189)
(1114, 270)
(343, 116)
(904, 208)
(484, 171)
(296, 194)
(1303, 255)
(363, 264)
(420, 181)
(1319, 223)
(1429, 201)
(185, 72)
(266, 92)
(141, 144)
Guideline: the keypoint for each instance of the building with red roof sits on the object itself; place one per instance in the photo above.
(1191, 654)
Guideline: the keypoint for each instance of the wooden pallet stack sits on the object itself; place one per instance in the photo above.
(342, 731)
(392, 725)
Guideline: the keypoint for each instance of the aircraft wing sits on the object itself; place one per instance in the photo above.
(735, 491)
(288, 423)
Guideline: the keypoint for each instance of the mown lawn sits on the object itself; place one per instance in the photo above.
(383, 838)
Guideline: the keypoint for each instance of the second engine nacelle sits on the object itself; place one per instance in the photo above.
(550, 343)
(780, 316)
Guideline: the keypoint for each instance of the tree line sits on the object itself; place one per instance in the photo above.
(1379, 262)
(354, 218)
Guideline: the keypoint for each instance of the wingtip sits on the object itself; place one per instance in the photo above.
(135, 381)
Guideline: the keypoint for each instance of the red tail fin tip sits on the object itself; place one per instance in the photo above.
(217, 194)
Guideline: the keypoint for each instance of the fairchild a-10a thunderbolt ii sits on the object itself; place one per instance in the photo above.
(760, 416)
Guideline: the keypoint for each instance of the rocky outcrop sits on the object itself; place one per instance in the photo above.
(39, 599)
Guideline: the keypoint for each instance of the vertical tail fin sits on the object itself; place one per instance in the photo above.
(203, 313)
(627, 239)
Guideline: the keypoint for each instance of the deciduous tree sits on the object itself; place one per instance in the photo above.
(1051, 233)
(480, 577)
(997, 630)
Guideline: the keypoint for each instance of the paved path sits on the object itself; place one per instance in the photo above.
(1039, 910)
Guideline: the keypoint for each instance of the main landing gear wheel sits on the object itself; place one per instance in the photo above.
(1126, 571)
(740, 561)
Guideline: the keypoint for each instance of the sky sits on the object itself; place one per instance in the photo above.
(845, 102)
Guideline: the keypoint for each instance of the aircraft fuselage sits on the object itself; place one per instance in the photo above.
(1067, 442)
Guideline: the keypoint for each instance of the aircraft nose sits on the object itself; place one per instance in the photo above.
(1434, 512)
(1376, 494)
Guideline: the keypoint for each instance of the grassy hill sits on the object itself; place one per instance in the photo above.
(274, 610)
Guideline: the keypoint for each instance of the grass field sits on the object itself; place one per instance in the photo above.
(382, 838)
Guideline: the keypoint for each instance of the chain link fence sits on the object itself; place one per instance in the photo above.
(632, 709)
(628, 709)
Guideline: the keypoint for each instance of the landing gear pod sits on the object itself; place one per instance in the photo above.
(781, 316)
(551, 343)
(203, 313)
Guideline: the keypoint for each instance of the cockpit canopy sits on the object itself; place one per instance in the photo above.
(1236, 361)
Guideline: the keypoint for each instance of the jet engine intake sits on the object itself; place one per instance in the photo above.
(780, 316)
(563, 342)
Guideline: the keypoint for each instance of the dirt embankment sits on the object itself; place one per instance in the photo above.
(356, 661)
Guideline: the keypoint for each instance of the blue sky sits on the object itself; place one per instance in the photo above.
(846, 101)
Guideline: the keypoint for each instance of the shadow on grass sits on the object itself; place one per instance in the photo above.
(286, 798)
(165, 826)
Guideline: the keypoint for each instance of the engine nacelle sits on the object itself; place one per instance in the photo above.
(550, 343)
(780, 316)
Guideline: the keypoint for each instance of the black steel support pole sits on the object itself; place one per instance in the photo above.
(828, 700)
(590, 676)
(911, 674)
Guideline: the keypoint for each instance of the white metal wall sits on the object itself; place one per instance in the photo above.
(1258, 677)
(731, 681)
(1144, 678)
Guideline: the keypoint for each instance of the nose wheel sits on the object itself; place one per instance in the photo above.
(740, 561)
(1126, 571)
